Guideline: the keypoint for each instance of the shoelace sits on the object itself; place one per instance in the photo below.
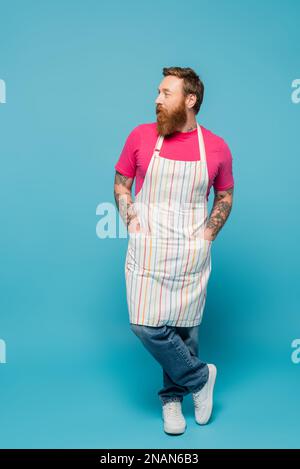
(197, 401)
(173, 408)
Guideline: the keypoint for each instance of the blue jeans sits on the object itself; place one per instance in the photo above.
(176, 349)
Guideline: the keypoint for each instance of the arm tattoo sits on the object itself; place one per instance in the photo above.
(123, 198)
(121, 179)
(220, 211)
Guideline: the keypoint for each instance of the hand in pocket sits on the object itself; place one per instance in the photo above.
(134, 226)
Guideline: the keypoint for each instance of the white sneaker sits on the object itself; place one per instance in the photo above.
(174, 421)
(203, 399)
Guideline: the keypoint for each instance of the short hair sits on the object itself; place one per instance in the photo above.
(192, 83)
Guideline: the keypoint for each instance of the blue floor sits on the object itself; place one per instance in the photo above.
(105, 399)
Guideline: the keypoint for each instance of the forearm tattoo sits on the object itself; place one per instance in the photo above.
(123, 198)
(220, 211)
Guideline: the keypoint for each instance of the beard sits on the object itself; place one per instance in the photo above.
(169, 121)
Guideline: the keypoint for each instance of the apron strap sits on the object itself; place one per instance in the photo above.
(159, 143)
(201, 144)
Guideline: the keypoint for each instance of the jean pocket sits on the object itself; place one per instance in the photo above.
(181, 352)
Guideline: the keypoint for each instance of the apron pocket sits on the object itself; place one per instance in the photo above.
(168, 258)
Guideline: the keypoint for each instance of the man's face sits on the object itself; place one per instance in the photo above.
(171, 110)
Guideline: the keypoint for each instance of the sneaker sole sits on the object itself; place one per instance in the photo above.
(173, 431)
(209, 407)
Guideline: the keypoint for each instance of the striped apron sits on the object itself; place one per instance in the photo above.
(168, 262)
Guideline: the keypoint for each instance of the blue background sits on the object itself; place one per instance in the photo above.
(80, 75)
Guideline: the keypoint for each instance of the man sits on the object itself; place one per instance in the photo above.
(168, 262)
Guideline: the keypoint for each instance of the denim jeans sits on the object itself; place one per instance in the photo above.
(176, 349)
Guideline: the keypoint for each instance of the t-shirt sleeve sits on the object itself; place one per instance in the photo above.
(224, 179)
(126, 163)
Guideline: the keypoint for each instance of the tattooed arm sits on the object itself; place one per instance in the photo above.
(123, 198)
(219, 213)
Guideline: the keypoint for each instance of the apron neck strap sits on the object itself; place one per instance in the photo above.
(159, 143)
(201, 144)
(160, 140)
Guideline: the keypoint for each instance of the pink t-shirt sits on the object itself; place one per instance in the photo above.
(139, 146)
